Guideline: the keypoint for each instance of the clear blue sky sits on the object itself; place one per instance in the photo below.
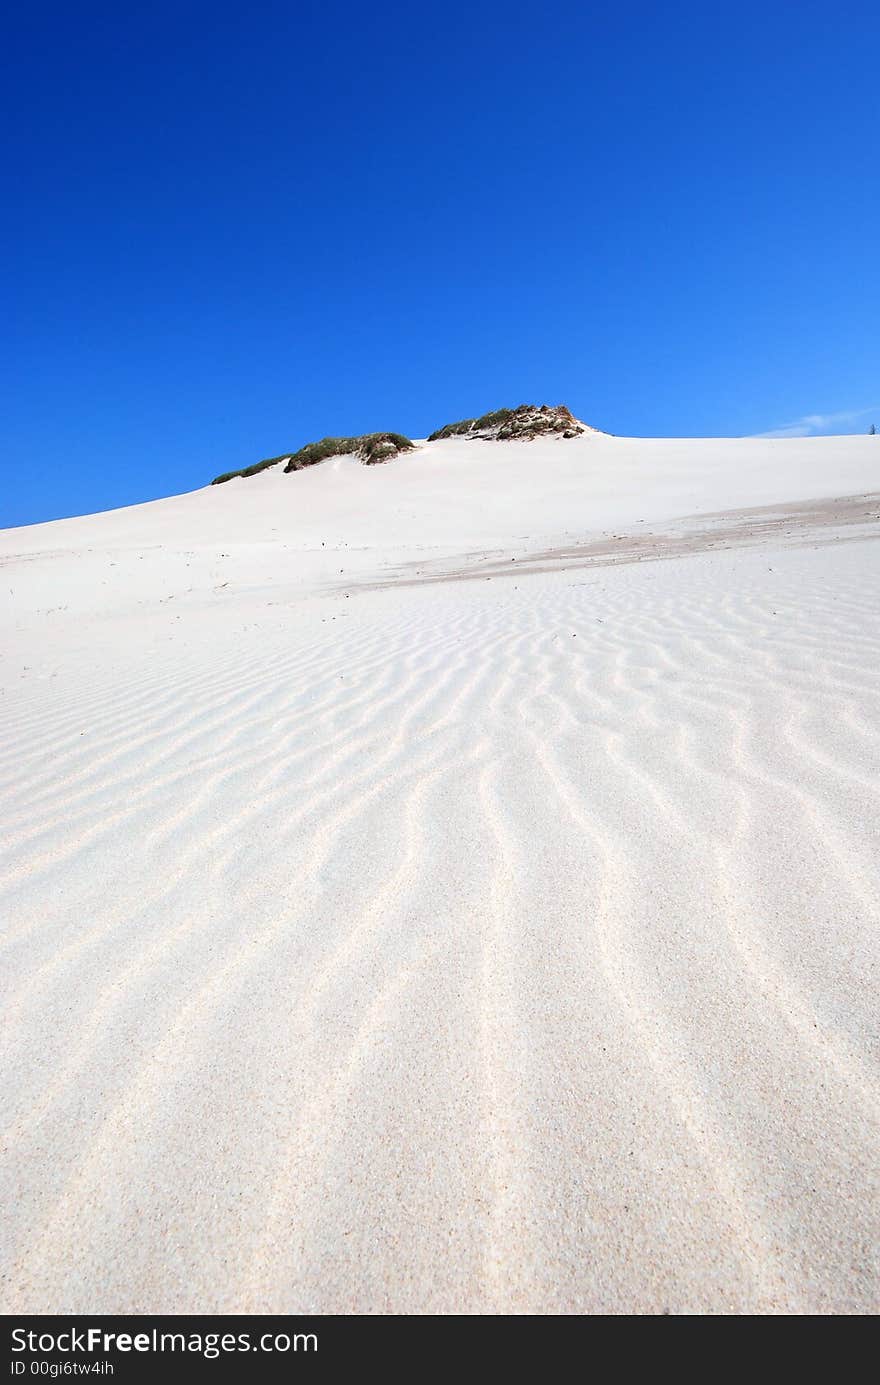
(230, 229)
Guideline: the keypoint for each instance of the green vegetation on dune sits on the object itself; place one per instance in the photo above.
(250, 470)
(371, 448)
(504, 425)
(472, 425)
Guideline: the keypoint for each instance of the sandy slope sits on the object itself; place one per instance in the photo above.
(377, 942)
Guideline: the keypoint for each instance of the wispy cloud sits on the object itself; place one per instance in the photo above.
(819, 423)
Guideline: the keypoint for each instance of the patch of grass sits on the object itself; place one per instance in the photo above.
(472, 425)
(494, 419)
(250, 470)
(526, 421)
(372, 448)
(452, 430)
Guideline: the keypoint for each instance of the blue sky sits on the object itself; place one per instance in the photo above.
(231, 229)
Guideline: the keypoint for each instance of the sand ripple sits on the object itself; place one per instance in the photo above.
(479, 947)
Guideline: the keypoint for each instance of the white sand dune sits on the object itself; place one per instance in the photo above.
(376, 940)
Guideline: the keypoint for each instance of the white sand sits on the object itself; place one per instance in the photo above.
(373, 942)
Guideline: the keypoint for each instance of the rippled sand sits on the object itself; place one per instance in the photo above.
(387, 945)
